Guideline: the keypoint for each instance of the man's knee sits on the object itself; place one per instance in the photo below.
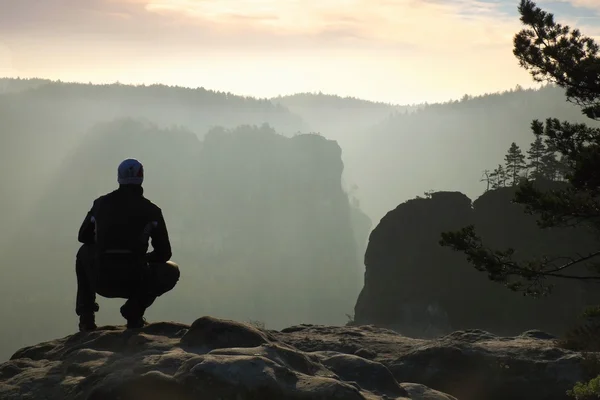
(85, 256)
(85, 252)
(167, 275)
(171, 274)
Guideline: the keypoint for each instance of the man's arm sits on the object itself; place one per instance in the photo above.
(87, 230)
(160, 241)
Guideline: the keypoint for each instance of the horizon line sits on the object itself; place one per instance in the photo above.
(534, 86)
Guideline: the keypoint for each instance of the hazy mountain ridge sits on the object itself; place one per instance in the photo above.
(55, 116)
(306, 99)
(345, 119)
(247, 209)
(187, 106)
(12, 85)
(446, 147)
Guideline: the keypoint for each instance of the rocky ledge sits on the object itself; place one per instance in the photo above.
(221, 359)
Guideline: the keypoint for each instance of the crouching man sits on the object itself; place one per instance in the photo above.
(113, 261)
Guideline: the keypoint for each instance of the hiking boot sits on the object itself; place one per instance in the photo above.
(136, 323)
(87, 322)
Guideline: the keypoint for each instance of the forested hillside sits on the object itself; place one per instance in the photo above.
(448, 146)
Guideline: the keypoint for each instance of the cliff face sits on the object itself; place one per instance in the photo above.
(421, 288)
(272, 213)
(259, 223)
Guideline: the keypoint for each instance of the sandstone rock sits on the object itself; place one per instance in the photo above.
(419, 288)
(216, 334)
(211, 359)
(422, 392)
(368, 374)
(228, 360)
(470, 365)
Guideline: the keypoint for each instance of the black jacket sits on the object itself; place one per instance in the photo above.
(123, 221)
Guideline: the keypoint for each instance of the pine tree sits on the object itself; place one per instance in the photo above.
(498, 177)
(563, 168)
(550, 166)
(515, 163)
(535, 153)
(487, 177)
(553, 53)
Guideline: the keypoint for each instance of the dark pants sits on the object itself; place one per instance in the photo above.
(139, 283)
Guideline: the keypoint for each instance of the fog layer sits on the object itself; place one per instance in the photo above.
(269, 202)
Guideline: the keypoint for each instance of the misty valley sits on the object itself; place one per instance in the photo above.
(266, 220)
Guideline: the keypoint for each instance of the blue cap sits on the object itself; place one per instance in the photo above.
(130, 172)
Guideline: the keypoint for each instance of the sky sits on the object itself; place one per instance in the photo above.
(397, 51)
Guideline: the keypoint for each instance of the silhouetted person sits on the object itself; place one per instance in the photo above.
(114, 261)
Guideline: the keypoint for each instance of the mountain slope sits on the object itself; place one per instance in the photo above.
(447, 146)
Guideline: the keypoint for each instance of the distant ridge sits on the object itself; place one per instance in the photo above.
(10, 84)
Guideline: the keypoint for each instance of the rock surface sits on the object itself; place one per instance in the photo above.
(221, 359)
(470, 365)
(415, 286)
(211, 359)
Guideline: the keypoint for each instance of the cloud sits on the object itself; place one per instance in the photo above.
(432, 24)
(581, 14)
(591, 4)
(386, 49)
(586, 3)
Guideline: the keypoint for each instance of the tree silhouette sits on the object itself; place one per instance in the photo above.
(550, 165)
(515, 163)
(487, 178)
(535, 153)
(555, 53)
(563, 167)
(498, 177)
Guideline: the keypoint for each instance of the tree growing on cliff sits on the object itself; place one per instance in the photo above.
(535, 153)
(553, 168)
(487, 178)
(498, 177)
(541, 162)
(562, 168)
(558, 54)
(515, 163)
(550, 165)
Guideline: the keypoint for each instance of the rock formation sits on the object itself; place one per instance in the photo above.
(416, 286)
(222, 359)
(45, 120)
(252, 216)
